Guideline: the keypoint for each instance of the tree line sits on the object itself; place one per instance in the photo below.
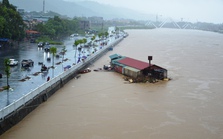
(11, 23)
(57, 28)
(12, 26)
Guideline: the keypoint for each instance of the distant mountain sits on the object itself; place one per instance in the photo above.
(83, 8)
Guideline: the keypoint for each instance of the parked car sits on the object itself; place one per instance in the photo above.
(13, 62)
(47, 48)
(27, 63)
(41, 44)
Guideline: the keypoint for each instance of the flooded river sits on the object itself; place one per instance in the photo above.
(101, 105)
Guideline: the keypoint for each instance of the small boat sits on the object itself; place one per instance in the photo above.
(99, 69)
(13, 62)
(85, 71)
(107, 67)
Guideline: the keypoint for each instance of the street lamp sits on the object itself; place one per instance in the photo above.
(150, 74)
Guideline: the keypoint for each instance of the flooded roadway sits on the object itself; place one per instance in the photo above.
(31, 51)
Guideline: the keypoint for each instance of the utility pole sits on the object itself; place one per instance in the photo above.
(102, 26)
(43, 6)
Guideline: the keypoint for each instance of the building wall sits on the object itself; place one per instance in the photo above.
(118, 69)
(94, 20)
(131, 72)
(84, 25)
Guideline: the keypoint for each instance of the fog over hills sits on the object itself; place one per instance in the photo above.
(83, 8)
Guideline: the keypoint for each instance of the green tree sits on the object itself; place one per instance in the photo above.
(84, 40)
(76, 42)
(92, 39)
(100, 35)
(56, 27)
(63, 52)
(12, 25)
(53, 51)
(5, 2)
(106, 34)
(7, 71)
(2, 24)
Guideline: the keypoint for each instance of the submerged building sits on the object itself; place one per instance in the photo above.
(137, 69)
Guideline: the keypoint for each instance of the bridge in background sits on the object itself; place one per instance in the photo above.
(170, 23)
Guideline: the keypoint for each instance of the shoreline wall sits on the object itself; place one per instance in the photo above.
(18, 114)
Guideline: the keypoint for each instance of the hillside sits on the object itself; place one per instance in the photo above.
(84, 8)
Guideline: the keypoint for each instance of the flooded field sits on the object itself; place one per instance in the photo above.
(101, 105)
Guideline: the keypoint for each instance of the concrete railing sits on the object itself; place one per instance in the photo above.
(14, 106)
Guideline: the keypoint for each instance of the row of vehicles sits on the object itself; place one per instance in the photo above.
(29, 62)
(42, 44)
(46, 46)
(24, 62)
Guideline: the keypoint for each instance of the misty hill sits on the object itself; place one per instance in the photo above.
(83, 8)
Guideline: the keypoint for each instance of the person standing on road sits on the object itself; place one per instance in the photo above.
(48, 78)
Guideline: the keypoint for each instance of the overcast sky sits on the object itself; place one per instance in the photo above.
(189, 10)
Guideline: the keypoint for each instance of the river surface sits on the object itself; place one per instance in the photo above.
(101, 105)
(31, 51)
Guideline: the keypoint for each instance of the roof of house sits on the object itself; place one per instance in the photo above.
(32, 31)
(114, 56)
(134, 63)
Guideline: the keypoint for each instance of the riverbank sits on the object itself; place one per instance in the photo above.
(103, 105)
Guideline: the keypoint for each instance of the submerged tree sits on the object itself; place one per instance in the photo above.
(53, 51)
(7, 72)
(63, 52)
(92, 39)
(77, 42)
(84, 40)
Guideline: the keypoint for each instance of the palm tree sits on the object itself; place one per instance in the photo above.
(92, 39)
(53, 50)
(7, 71)
(106, 34)
(100, 35)
(84, 40)
(76, 43)
(63, 52)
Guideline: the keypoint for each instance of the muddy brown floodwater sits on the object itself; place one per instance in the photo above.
(101, 105)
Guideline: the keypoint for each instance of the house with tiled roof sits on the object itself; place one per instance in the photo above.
(135, 68)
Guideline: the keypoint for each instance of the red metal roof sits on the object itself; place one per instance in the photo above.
(134, 63)
(32, 31)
